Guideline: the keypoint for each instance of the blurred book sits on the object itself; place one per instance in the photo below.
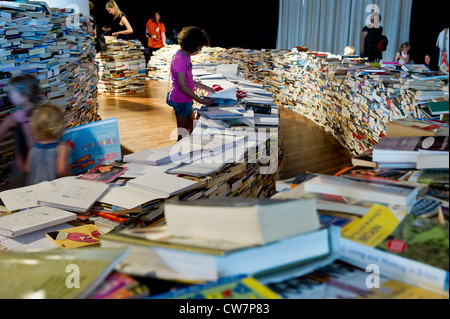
(75, 237)
(120, 286)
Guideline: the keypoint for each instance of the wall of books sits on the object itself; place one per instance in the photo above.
(121, 67)
(55, 46)
(351, 99)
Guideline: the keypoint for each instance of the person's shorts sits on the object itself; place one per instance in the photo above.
(181, 109)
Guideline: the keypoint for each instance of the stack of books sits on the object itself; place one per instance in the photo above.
(121, 67)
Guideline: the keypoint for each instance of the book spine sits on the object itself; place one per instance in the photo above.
(393, 266)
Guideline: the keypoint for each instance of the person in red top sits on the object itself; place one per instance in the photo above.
(156, 34)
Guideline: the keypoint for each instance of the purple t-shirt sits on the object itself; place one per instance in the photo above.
(181, 64)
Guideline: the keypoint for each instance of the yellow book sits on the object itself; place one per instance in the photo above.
(75, 237)
(373, 227)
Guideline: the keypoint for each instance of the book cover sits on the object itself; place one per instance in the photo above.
(422, 239)
(103, 173)
(94, 143)
(231, 287)
(438, 107)
(75, 237)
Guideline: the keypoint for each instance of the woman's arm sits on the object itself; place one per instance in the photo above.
(363, 39)
(163, 37)
(186, 90)
(127, 25)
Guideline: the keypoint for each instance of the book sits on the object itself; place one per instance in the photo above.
(247, 220)
(410, 127)
(406, 149)
(364, 159)
(230, 287)
(25, 197)
(415, 252)
(156, 156)
(103, 173)
(417, 68)
(433, 161)
(75, 237)
(193, 264)
(93, 143)
(436, 178)
(33, 219)
(120, 286)
(235, 123)
(56, 273)
(164, 185)
(340, 280)
(259, 107)
(376, 191)
(436, 108)
(73, 194)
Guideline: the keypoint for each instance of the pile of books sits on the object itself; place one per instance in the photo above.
(121, 67)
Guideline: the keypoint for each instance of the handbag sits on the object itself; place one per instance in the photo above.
(382, 45)
(443, 67)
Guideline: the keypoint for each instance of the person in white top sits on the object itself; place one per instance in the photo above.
(442, 43)
(402, 55)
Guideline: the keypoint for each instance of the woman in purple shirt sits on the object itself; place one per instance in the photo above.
(182, 93)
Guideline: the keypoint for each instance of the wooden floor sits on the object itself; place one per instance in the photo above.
(146, 121)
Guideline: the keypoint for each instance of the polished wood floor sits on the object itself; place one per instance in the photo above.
(146, 121)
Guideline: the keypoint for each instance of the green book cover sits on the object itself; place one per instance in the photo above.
(421, 239)
(438, 107)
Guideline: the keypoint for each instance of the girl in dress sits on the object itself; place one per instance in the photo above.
(402, 55)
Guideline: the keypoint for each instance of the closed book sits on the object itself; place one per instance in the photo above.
(30, 220)
(75, 237)
(230, 287)
(194, 264)
(406, 149)
(438, 107)
(75, 195)
(246, 220)
(375, 191)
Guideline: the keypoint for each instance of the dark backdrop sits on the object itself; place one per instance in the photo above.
(251, 24)
(427, 21)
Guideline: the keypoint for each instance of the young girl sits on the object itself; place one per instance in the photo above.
(402, 55)
(23, 91)
(182, 94)
(48, 157)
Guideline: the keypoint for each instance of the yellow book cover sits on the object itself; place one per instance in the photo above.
(393, 289)
(76, 237)
(373, 227)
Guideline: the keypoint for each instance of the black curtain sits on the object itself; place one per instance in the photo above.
(250, 24)
(427, 21)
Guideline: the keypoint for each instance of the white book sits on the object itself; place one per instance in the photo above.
(25, 197)
(403, 195)
(75, 195)
(30, 220)
(156, 156)
(164, 185)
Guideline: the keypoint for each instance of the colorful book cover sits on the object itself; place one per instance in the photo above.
(76, 237)
(422, 239)
(373, 227)
(120, 286)
(103, 173)
(231, 287)
(94, 143)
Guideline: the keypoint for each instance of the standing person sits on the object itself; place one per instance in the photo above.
(155, 31)
(370, 38)
(402, 55)
(182, 93)
(120, 27)
(47, 159)
(23, 91)
(100, 43)
(442, 44)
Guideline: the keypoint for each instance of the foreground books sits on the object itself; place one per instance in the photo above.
(246, 220)
(50, 270)
(197, 260)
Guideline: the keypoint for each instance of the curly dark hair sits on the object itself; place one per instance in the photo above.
(192, 38)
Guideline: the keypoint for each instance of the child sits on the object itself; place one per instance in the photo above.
(182, 94)
(23, 91)
(48, 157)
(403, 56)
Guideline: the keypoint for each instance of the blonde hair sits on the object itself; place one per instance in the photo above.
(47, 122)
(405, 45)
(113, 4)
(91, 5)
